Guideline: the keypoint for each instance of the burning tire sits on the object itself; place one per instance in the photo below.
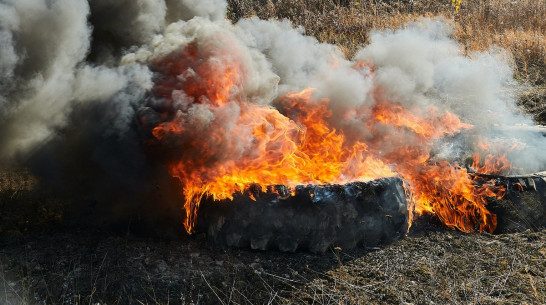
(315, 218)
(524, 206)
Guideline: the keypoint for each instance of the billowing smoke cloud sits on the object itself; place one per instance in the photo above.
(43, 44)
(59, 54)
(67, 104)
(421, 65)
(84, 84)
(417, 66)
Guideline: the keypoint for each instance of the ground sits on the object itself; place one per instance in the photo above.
(45, 260)
(433, 267)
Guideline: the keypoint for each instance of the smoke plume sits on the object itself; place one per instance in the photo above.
(86, 84)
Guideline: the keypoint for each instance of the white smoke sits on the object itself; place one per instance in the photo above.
(214, 10)
(260, 83)
(302, 62)
(416, 66)
(422, 65)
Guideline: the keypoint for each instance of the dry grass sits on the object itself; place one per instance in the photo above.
(23, 207)
(518, 26)
(443, 267)
(16, 180)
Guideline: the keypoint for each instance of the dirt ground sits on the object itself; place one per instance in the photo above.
(60, 266)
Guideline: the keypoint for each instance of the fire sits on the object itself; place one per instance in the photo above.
(493, 164)
(225, 143)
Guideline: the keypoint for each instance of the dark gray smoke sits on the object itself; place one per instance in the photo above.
(71, 120)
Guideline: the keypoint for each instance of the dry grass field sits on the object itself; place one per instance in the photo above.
(517, 26)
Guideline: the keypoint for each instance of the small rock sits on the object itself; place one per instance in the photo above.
(219, 263)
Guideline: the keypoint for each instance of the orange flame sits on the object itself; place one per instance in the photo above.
(492, 163)
(295, 144)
